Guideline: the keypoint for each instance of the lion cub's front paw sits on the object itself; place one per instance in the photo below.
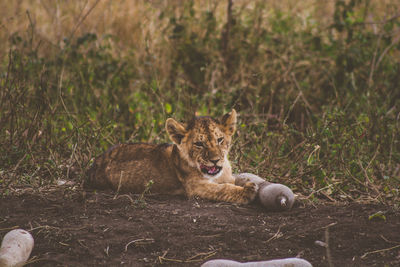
(250, 191)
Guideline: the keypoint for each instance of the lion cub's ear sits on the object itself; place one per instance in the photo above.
(175, 130)
(228, 122)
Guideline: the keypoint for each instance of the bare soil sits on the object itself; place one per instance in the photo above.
(79, 228)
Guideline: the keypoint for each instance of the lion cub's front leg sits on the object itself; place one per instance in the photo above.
(222, 192)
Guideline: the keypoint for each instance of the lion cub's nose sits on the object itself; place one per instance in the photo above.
(215, 161)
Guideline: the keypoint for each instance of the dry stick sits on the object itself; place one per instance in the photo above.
(394, 42)
(191, 259)
(160, 258)
(346, 194)
(206, 254)
(321, 189)
(70, 159)
(328, 197)
(119, 185)
(328, 249)
(9, 228)
(128, 196)
(367, 178)
(298, 88)
(276, 235)
(329, 225)
(48, 227)
(83, 19)
(145, 240)
(373, 157)
(43, 226)
(291, 107)
(373, 63)
(379, 250)
(80, 241)
(393, 242)
(60, 93)
(32, 260)
(19, 162)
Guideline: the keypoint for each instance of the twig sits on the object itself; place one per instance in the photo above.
(19, 162)
(160, 258)
(70, 159)
(60, 83)
(379, 250)
(291, 107)
(119, 185)
(56, 228)
(206, 254)
(276, 235)
(367, 178)
(373, 63)
(128, 196)
(9, 228)
(387, 240)
(328, 249)
(83, 19)
(142, 240)
(63, 244)
(191, 259)
(302, 95)
(327, 226)
(167, 259)
(81, 242)
(373, 157)
(43, 226)
(394, 42)
(328, 197)
(33, 259)
(321, 189)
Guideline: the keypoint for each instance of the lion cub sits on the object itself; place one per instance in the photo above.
(196, 164)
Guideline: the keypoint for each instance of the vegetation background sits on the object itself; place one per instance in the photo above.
(316, 84)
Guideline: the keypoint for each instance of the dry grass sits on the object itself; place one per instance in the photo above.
(318, 104)
(137, 24)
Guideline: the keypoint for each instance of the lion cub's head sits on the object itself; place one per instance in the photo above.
(204, 142)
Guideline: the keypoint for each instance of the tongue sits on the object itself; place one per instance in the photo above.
(212, 170)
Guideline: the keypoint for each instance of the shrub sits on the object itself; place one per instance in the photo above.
(318, 98)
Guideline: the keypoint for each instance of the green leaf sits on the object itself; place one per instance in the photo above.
(70, 126)
(168, 108)
(377, 215)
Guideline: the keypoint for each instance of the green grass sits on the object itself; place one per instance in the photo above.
(319, 104)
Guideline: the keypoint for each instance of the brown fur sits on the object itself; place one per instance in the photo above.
(189, 166)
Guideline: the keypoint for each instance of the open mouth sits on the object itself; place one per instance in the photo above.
(213, 170)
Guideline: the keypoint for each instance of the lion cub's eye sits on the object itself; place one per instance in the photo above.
(199, 144)
(220, 140)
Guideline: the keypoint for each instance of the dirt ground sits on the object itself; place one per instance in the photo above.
(78, 228)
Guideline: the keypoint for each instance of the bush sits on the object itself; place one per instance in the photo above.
(318, 99)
